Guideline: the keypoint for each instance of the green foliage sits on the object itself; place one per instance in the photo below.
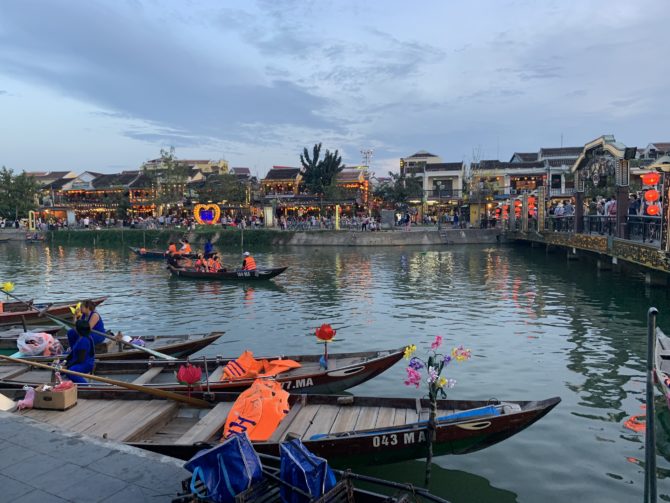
(317, 174)
(401, 189)
(168, 178)
(17, 194)
(222, 188)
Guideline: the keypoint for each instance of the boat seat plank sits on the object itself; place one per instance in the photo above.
(206, 427)
(120, 411)
(161, 415)
(286, 422)
(400, 417)
(12, 371)
(322, 422)
(35, 376)
(129, 419)
(148, 376)
(303, 420)
(90, 408)
(216, 375)
(346, 419)
(385, 418)
(367, 418)
(411, 416)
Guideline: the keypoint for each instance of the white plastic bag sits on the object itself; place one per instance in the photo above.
(33, 343)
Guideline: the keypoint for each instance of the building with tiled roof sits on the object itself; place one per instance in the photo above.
(524, 157)
(282, 180)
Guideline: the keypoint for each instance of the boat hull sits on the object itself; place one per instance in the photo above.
(32, 316)
(238, 275)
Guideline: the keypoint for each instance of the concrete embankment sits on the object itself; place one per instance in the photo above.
(265, 238)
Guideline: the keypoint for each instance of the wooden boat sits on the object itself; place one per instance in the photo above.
(345, 491)
(346, 430)
(345, 370)
(662, 364)
(179, 346)
(14, 313)
(157, 254)
(9, 336)
(257, 275)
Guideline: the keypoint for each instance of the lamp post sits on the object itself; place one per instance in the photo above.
(439, 201)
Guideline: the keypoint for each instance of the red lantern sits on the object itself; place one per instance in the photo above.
(651, 195)
(651, 178)
(517, 203)
(189, 374)
(531, 201)
(325, 333)
(652, 210)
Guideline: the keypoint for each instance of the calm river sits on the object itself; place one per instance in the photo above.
(537, 325)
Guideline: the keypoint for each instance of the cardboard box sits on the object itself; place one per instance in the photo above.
(55, 400)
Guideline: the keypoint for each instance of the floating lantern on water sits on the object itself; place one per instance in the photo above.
(651, 178)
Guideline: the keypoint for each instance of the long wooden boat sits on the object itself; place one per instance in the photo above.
(178, 346)
(662, 364)
(157, 254)
(236, 275)
(345, 370)
(17, 312)
(268, 490)
(346, 430)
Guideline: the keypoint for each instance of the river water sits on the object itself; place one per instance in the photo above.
(538, 327)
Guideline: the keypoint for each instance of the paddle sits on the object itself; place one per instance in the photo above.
(196, 402)
(67, 324)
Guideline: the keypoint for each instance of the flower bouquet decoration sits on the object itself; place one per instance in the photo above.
(429, 370)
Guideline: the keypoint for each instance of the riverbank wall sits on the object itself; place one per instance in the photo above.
(262, 238)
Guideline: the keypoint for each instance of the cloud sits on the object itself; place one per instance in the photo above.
(147, 73)
(3, 92)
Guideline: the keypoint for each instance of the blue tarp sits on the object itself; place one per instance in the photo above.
(304, 470)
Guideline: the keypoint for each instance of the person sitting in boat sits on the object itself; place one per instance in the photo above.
(90, 315)
(213, 264)
(82, 356)
(172, 248)
(201, 264)
(248, 264)
(209, 249)
(185, 247)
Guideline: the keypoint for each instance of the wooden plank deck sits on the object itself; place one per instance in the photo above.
(148, 376)
(303, 420)
(367, 418)
(346, 419)
(212, 422)
(322, 421)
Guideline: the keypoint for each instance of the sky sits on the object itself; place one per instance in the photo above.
(105, 85)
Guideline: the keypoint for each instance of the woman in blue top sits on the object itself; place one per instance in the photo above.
(82, 356)
(88, 313)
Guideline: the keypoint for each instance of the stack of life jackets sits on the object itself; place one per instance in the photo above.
(257, 411)
(247, 367)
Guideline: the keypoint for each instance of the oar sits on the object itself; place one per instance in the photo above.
(67, 324)
(196, 402)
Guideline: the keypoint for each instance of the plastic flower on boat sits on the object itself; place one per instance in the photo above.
(413, 377)
(443, 382)
(8, 286)
(76, 310)
(436, 343)
(409, 351)
(416, 363)
(461, 354)
(447, 359)
(432, 375)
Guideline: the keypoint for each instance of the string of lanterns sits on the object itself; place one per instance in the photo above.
(651, 195)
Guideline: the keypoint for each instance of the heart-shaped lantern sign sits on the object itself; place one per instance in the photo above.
(207, 214)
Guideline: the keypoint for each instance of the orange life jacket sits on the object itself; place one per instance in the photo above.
(249, 264)
(213, 265)
(186, 248)
(200, 264)
(172, 249)
(247, 367)
(257, 411)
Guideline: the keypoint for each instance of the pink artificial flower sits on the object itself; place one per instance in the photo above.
(413, 377)
(436, 343)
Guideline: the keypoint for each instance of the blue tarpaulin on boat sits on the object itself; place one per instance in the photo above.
(226, 470)
(303, 470)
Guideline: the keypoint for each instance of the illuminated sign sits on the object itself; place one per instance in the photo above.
(207, 214)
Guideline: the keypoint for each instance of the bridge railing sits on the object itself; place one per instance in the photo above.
(643, 228)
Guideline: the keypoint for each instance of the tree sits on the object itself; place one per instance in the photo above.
(224, 187)
(320, 174)
(168, 178)
(17, 194)
(401, 189)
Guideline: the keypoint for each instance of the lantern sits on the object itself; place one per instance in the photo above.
(531, 201)
(517, 203)
(652, 210)
(189, 374)
(325, 333)
(651, 195)
(651, 178)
